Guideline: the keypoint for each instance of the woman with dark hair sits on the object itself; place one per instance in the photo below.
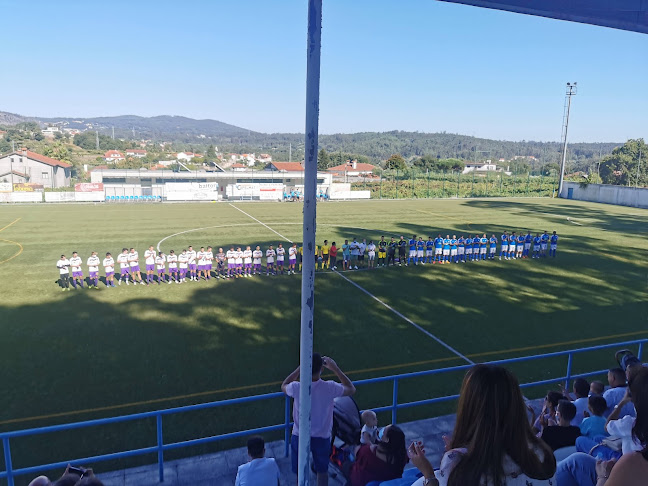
(382, 461)
(493, 443)
(632, 468)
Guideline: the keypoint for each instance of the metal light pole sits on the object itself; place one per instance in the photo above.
(313, 54)
(571, 91)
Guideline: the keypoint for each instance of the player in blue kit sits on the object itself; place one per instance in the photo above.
(453, 249)
(412, 251)
(446, 249)
(527, 244)
(544, 239)
(520, 245)
(504, 248)
(420, 251)
(483, 247)
(512, 246)
(461, 249)
(429, 250)
(476, 243)
(553, 241)
(492, 244)
(438, 249)
(468, 250)
(536, 246)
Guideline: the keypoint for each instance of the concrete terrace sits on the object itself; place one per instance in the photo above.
(219, 469)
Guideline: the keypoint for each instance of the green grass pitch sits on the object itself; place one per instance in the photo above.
(84, 354)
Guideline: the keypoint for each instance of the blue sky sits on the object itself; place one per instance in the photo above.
(386, 65)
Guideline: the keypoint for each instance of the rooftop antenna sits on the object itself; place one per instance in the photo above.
(571, 91)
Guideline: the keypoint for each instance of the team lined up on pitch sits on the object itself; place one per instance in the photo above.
(238, 263)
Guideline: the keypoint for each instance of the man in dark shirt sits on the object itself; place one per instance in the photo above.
(402, 248)
(563, 434)
(391, 252)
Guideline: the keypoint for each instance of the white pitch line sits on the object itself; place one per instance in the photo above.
(573, 222)
(406, 319)
(261, 223)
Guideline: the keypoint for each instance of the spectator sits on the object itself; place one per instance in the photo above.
(563, 434)
(548, 414)
(68, 479)
(632, 468)
(594, 425)
(90, 480)
(618, 388)
(382, 461)
(581, 390)
(322, 395)
(369, 432)
(40, 481)
(493, 442)
(260, 469)
(597, 388)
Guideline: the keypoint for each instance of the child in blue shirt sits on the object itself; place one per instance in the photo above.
(594, 425)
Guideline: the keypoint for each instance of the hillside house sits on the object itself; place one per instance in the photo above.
(26, 166)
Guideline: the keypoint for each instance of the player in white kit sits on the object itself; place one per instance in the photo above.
(183, 264)
(281, 251)
(257, 255)
(172, 259)
(124, 267)
(160, 263)
(109, 268)
(270, 261)
(149, 256)
(77, 274)
(247, 261)
(93, 270)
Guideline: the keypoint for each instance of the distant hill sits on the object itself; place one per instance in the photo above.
(374, 147)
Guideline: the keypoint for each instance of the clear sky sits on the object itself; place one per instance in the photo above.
(386, 65)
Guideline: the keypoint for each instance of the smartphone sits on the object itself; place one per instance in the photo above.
(77, 470)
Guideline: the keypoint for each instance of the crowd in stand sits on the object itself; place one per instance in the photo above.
(495, 441)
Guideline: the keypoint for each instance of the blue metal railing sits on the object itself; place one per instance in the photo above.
(9, 473)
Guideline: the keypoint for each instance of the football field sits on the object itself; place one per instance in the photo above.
(70, 356)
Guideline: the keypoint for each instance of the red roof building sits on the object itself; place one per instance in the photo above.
(352, 168)
(285, 166)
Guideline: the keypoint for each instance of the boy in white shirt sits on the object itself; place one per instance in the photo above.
(109, 268)
(133, 261)
(160, 260)
(77, 274)
(149, 257)
(209, 256)
(124, 266)
(191, 254)
(173, 266)
(247, 261)
(371, 254)
(93, 271)
(220, 263)
(257, 255)
(201, 256)
(64, 273)
(270, 258)
(238, 255)
(231, 262)
(260, 470)
(183, 263)
(292, 258)
(281, 251)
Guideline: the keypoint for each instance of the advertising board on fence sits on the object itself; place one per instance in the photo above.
(191, 191)
(21, 197)
(5, 187)
(89, 187)
(263, 191)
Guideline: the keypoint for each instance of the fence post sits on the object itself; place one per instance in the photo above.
(380, 195)
(160, 443)
(7, 457)
(458, 180)
(486, 184)
(553, 188)
(514, 182)
(569, 370)
(541, 182)
(394, 401)
(287, 427)
(472, 185)
(443, 186)
(528, 181)
(396, 179)
(640, 350)
(501, 179)
(428, 181)
(412, 182)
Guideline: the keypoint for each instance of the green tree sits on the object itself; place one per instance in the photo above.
(58, 151)
(323, 160)
(621, 166)
(550, 169)
(396, 161)
(211, 153)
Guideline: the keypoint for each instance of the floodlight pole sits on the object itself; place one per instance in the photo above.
(571, 91)
(313, 54)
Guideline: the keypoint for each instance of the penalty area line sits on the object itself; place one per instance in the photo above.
(261, 223)
(406, 319)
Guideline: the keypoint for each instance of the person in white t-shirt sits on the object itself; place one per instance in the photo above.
(231, 262)
(281, 251)
(149, 257)
(109, 268)
(172, 259)
(323, 394)
(260, 470)
(292, 258)
(133, 261)
(362, 247)
(183, 264)
(63, 266)
(191, 255)
(270, 261)
(201, 256)
(160, 263)
(371, 254)
(209, 257)
(257, 255)
(124, 266)
(238, 260)
(93, 271)
(77, 273)
(247, 261)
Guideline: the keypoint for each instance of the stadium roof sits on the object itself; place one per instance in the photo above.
(618, 14)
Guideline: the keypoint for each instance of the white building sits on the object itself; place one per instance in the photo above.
(26, 166)
(113, 156)
(137, 153)
(487, 166)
